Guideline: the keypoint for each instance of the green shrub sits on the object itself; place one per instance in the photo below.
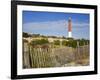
(39, 42)
(56, 42)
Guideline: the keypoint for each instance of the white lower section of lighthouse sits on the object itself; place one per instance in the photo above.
(69, 34)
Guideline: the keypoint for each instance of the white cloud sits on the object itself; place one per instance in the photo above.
(80, 25)
(44, 26)
(58, 28)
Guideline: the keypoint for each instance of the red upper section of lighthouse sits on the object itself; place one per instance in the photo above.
(69, 25)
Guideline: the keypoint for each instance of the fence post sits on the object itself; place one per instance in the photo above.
(60, 42)
(78, 52)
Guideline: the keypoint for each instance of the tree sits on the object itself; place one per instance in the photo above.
(26, 35)
(64, 37)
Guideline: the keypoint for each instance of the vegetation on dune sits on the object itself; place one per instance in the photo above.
(56, 42)
(70, 42)
(39, 42)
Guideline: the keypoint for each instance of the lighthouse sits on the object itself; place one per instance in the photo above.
(69, 27)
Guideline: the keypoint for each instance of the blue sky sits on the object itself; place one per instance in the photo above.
(56, 23)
